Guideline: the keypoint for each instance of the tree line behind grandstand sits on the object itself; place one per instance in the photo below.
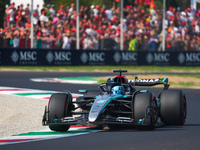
(100, 27)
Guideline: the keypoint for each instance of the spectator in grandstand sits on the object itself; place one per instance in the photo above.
(87, 42)
(71, 9)
(35, 19)
(27, 39)
(56, 18)
(59, 42)
(179, 43)
(28, 24)
(47, 9)
(109, 13)
(10, 11)
(16, 41)
(22, 39)
(43, 9)
(91, 11)
(169, 43)
(96, 10)
(23, 19)
(103, 26)
(95, 40)
(8, 38)
(198, 40)
(61, 11)
(153, 42)
(37, 11)
(66, 41)
(73, 41)
(194, 43)
(28, 11)
(52, 11)
(145, 45)
(39, 42)
(133, 44)
(46, 41)
(91, 30)
(43, 19)
(1, 37)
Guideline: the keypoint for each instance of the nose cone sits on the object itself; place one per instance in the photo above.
(93, 117)
(95, 111)
(98, 105)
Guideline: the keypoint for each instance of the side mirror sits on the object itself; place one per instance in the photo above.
(82, 91)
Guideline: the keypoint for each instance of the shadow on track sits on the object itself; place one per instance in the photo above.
(133, 129)
(192, 125)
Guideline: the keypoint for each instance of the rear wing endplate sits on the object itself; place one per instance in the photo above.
(149, 82)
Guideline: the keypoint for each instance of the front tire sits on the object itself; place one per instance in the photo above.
(173, 108)
(59, 107)
(142, 102)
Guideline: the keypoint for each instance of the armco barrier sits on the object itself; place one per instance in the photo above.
(51, 57)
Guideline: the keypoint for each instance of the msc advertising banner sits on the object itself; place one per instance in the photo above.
(59, 57)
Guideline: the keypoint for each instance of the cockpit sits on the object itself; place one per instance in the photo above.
(108, 86)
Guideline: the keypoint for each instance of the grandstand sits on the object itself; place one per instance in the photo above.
(100, 28)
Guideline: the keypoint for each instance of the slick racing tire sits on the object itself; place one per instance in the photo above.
(59, 107)
(142, 103)
(173, 108)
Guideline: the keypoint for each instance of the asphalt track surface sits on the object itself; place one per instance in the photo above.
(185, 137)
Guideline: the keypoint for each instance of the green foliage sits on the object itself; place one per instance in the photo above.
(81, 2)
(183, 4)
(3, 3)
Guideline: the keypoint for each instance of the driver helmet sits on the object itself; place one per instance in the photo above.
(118, 90)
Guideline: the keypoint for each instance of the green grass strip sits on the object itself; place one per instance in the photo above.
(188, 84)
(28, 94)
(107, 68)
(87, 78)
(52, 133)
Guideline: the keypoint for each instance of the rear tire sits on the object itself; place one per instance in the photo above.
(143, 101)
(59, 107)
(173, 108)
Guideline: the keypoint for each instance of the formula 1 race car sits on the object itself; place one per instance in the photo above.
(119, 103)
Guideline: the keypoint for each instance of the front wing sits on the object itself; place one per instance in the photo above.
(102, 120)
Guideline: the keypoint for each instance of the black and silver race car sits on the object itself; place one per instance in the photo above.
(119, 104)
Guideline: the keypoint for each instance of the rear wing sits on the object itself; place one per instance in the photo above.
(149, 82)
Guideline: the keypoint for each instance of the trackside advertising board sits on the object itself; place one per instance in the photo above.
(52, 57)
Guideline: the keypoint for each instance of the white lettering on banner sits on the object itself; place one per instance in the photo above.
(28, 55)
(192, 57)
(161, 57)
(62, 56)
(96, 57)
(158, 58)
(129, 56)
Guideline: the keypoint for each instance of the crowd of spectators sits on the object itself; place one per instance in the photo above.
(100, 28)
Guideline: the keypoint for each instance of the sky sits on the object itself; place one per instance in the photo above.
(25, 2)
